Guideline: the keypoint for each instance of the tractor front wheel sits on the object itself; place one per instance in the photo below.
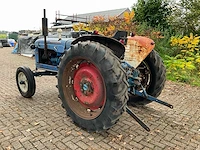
(92, 86)
(25, 81)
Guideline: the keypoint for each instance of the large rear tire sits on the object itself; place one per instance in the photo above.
(92, 86)
(152, 72)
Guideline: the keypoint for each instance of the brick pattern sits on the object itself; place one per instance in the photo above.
(41, 123)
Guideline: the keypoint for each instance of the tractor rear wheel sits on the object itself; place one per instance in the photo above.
(92, 86)
(152, 72)
(25, 81)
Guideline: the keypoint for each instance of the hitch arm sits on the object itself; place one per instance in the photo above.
(151, 98)
(128, 110)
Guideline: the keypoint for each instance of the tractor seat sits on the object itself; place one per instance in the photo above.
(120, 35)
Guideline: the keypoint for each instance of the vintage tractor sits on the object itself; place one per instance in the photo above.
(97, 75)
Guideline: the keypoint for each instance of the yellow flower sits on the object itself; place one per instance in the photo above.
(191, 36)
(198, 60)
(183, 51)
(195, 41)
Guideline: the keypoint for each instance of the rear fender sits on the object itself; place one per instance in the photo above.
(137, 49)
(117, 47)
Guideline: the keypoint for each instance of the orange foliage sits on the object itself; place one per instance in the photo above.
(98, 19)
(128, 17)
(108, 26)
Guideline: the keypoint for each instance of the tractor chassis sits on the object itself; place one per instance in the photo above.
(44, 73)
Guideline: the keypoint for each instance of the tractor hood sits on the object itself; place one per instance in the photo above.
(55, 44)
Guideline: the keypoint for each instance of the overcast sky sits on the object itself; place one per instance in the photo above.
(18, 15)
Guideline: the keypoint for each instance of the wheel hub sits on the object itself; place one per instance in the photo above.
(88, 86)
(23, 83)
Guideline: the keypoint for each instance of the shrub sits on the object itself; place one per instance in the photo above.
(187, 63)
(3, 36)
(108, 26)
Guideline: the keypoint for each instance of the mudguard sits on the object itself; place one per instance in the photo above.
(117, 47)
(137, 49)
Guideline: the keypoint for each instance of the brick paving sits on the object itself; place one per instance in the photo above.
(41, 123)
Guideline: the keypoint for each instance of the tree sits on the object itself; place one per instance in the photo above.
(186, 16)
(13, 35)
(152, 12)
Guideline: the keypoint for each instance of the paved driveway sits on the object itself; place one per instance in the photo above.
(41, 123)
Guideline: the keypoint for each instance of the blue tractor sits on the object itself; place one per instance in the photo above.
(94, 80)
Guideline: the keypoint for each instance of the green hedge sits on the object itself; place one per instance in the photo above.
(3, 36)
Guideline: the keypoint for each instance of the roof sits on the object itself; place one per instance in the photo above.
(107, 13)
(89, 16)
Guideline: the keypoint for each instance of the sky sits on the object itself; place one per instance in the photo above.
(26, 15)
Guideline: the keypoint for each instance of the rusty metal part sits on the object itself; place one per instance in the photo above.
(85, 101)
(137, 49)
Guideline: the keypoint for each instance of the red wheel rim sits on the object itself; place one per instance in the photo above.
(89, 87)
(84, 88)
